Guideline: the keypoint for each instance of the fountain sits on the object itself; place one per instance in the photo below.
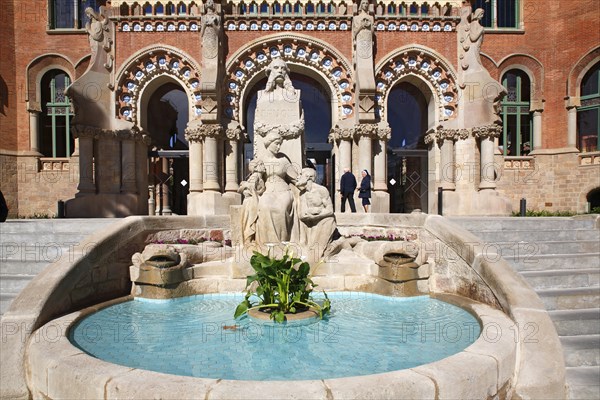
(95, 326)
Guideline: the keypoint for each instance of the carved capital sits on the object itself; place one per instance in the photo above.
(384, 133)
(365, 130)
(487, 131)
(199, 132)
(235, 134)
(336, 134)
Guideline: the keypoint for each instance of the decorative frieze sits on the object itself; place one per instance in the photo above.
(519, 163)
(287, 131)
(336, 134)
(92, 132)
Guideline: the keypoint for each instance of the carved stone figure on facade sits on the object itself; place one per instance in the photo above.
(485, 92)
(363, 27)
(315, 212)
(210, 31)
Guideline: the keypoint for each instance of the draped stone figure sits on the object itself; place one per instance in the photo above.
(210, 31)
(315, 211)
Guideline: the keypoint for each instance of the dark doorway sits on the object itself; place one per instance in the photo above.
(168, 115)
(407, 152)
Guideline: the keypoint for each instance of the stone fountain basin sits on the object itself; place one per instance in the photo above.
(58, 369)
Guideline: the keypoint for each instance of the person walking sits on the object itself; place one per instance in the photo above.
(365, 189)
(347, 188)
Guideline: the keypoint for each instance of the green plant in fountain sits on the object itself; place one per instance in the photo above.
(284, 287)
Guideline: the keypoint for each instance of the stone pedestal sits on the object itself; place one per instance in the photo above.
(211, 202)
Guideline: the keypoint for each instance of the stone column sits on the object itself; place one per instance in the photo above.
(232, 145)
(141, 171)
(380, 162)
(86, 161)
(537, 107)
(196, 161)
(537, 130)
(365, 133)
(572, 126)
(211, 162)
(128, 165)
(486, 136)
(342, 138)
(166, 195)
(34, 127)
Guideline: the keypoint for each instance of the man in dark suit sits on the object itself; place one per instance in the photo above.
(347, 188)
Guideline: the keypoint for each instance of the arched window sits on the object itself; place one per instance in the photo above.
(264, 8)
(297, 8)
(55, 131)
(588, 115)
(276, 8)
(287, 8)
(516, 139)
(414, 9)
(69, 14)
(159, 9)
(391, 9)
(181, 8)
(310, 8)
(499, 13)
(148, 9)
(124, 9)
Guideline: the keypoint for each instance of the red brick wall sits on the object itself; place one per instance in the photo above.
(557, 33)
(9, 88)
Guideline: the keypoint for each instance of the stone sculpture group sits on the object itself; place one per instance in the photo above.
(283, 203)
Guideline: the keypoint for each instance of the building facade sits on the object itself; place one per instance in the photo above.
(159, 112)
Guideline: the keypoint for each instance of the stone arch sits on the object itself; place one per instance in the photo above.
(531, 66)
(302, 54)
(144, 67)
(82, 65)
(584, 193)
(426, 65)
(579, 70)
(36, 70)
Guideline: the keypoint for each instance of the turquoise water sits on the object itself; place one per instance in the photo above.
(365, 334)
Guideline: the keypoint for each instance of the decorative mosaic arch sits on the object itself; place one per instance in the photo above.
(422, 63)
(148, 64)
(295, 50)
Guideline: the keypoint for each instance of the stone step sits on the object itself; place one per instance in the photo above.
(69, 225)
(533, 247)
(576, 322)
(25, 267)
(64, 239)
(524, 223)
(571, 298)
(563, 278)
(554, 261)
(538, 235)
(581, 351)
(5, 300)
(14, 283)
(583, 383)
(48, 253)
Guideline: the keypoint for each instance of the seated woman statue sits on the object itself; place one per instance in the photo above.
(275, 219)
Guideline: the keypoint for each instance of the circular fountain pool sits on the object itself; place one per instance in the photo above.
(197, 336)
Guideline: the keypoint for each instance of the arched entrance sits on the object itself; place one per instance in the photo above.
(408, 114)
(316, 104)
(165, 115)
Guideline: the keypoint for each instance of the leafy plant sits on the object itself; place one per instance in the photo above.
(284, 287)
